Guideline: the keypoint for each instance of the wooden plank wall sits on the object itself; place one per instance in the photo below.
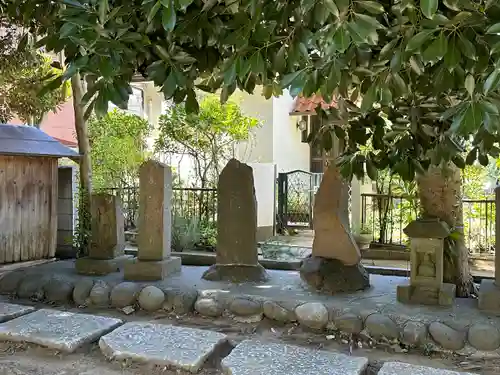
(28, 208)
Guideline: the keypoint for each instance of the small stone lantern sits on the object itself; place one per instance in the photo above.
(426, 287)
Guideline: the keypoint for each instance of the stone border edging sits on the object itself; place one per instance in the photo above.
(372, 325)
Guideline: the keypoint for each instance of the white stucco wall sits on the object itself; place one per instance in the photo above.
(289, 153)
(264, 184)
(259, 147)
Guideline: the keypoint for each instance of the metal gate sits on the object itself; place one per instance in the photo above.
(296, 191)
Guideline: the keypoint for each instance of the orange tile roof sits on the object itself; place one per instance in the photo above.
(308, 105)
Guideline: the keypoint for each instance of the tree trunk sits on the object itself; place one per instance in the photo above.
(440, 196)
(84, 220)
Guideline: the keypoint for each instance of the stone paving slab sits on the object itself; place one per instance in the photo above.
(161, 344)
(252, 357)
(59, 330)
(398, 368)
(10, 311)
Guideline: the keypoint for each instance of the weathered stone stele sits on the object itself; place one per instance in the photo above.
(334, 266)
(332, 238)
(107, 240)
(427, 264)
(155, 220)
(236, 258)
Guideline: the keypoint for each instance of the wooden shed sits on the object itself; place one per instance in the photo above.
(28, 193)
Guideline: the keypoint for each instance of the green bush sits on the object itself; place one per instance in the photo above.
(186, 233)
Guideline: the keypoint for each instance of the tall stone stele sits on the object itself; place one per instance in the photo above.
(107, 239)
(334, 266)
(236, 259)
(155, 221)
(489, 292)
(427, 237)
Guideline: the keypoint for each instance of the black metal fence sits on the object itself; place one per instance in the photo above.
(188, 203)
(386, 216)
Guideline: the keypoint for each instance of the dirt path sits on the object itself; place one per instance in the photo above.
(32, 360)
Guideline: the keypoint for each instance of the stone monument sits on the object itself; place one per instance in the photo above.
(489, 292)
(427, 264)
(107, 239)
(334, 266)
(236, 258)
(155, 220)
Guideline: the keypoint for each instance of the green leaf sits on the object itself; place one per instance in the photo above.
(491, 82)
(436, 50)
(467, 47)
(169, 86)
(472, 119)
(453, 55)
(471, 156)
(372, 7)
(495, 29)
(257, 63)
(483, 160)
(279, 59)
(183, 4)
(458, 161)
(368, 21)
(192, 105)
(369, 98)
(168, 16)
(74, 3)
(429, 7)
(418, 40)
(341, 39)
(332, 7)
(153, 11)
(399, 84)
(288, 79)
(470, 84)
(230, 74)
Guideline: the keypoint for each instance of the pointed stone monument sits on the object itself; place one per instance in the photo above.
(236, 258)
(107, 239)
(334, 266)
(155, 221)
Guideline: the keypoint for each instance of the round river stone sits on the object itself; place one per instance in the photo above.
(82, 290)
(446, 336)
(312, 314)
(99, 295)
(151, 298)
(379, 326)
(484, 337)
(124, 294)
(208, 307)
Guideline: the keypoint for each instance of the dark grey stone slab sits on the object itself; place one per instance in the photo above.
(398, 368)
(60, 330)
(160, 344)
(10, 311)
(258, 357)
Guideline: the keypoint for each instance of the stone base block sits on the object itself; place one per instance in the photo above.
(444, 296)
(489, 297)
(90, 266)
(332, 276)
(141, 270)
(236, 273)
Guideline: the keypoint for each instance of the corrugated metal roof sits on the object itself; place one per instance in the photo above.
(30, 141)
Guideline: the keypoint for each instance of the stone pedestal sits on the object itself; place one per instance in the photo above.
(236, 258)
(335, 263)
(489, 292)
(107, 240)
(155, 220)
(426, 265)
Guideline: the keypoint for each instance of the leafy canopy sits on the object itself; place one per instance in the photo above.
(207, 137)
(118, 147)
(413, 78)
(23, 73)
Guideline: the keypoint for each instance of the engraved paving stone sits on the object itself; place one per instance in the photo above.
(57, 330)
(257, 357)
(163, 345)
(10, 311)
(397, 368)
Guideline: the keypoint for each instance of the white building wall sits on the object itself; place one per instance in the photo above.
(289, 152)
(259, 147)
